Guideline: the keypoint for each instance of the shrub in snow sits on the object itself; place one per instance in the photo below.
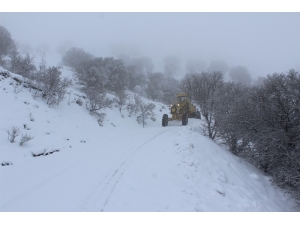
(97, 101)
(25, 138)
(13, 133)
(4, 74)
(54, 87)
(79, 102)
(101, 118)
(134, 107)
(70, 101)
(31, 117)
(138, 106)
(148, 110)
(48, 84)
(17, 88)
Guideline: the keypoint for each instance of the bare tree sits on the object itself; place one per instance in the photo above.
(203, 89)
(231, 110)
(120, 99)
(278, 121)
(93, 78)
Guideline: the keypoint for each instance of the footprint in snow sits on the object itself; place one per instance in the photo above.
(222, 177)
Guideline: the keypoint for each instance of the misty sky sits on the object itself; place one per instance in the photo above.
(263, 42)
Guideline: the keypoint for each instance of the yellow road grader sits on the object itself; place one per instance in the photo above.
(181, 109)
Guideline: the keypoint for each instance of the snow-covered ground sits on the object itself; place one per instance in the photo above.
(120, 167)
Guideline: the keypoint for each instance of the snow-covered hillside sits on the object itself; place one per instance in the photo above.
(121, 166)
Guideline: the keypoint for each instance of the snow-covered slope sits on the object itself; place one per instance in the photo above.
(121, 166)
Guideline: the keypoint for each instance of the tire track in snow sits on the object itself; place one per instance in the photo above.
(39, 185)
(57, 175)
(100, 194)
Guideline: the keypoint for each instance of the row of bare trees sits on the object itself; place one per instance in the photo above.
(97, 74)
(258, 123)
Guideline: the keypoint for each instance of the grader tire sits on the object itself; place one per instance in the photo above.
(165, 120)
(185, 119)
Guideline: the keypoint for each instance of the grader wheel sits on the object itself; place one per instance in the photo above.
(165, 120)
(185, 119)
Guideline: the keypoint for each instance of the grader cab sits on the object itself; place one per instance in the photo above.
(181, 109)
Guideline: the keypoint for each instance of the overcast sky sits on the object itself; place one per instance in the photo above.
(263, 42)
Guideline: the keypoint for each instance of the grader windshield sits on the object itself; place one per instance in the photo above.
(182, 98)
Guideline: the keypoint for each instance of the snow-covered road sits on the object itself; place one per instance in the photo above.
(119, 167)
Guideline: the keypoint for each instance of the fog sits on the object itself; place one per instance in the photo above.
(263, 42)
